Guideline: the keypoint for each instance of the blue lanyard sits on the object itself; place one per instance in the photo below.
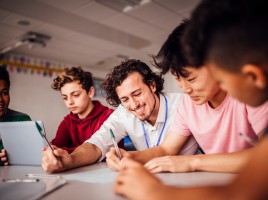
(161, 133)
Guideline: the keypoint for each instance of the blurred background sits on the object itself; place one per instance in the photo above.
(39, 37)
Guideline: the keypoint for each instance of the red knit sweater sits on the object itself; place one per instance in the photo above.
(74, 131)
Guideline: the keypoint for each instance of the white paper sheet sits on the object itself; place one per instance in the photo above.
(95, 176)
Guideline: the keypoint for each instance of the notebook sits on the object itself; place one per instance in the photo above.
(23, 142)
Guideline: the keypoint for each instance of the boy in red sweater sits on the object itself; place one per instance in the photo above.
(86, 116)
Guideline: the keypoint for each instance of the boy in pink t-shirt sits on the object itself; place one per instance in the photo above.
(215, 120)
(217, 130)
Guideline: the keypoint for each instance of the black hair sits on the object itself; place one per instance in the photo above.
(4, 75)
(171, 55)
(228, 33)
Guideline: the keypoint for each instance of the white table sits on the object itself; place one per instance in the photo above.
(97, 181)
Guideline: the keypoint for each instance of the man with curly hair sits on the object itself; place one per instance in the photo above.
(144, 113)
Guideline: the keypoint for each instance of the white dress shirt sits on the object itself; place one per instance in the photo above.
(123, 123)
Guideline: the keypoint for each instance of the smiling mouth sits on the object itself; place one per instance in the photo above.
(194, 97)
(140, 110)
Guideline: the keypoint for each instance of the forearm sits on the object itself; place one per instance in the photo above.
(228, 162)
(85, 154)
(171, 146)
(70, 150)
(193, 193)
(252, 182)
(148, 154)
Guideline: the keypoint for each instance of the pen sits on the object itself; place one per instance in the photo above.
(43, 176)
(24, 180)
(44, 137)
(248, 139)
(115, 145)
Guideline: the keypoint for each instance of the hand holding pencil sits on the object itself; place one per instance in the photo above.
(114, 156)
(115, 145)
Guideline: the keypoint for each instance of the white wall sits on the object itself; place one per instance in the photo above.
(32, 94)
(170, 84)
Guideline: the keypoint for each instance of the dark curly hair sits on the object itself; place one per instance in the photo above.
(228, 33)
(120, 73)
(171, 56)
(4, 75)
(73, 74)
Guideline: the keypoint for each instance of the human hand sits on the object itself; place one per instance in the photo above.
(134, 175)
(50, 163)
(3, 157)
(169, 164)
(112, 159)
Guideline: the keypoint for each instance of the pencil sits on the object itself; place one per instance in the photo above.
(43, 176)
(44, 137)
(115, 145)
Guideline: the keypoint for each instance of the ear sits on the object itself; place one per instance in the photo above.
(256, 74)
(153, 86)
(91, 92)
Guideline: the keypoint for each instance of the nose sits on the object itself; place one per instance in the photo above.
(133, 104)
(70, 101)
(188, 90)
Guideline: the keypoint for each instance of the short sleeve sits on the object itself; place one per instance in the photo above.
(181, 118)
(102, 138)
(258, 117)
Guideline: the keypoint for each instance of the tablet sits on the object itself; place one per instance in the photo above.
(23, 142)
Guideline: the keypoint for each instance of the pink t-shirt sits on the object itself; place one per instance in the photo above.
(217, 130)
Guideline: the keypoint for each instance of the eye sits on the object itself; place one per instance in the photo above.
(5, 93)
(76, 94)
(191, 79)
(64, 97)
(124, 100)
(137, 94)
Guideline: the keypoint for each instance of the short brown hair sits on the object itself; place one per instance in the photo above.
(73, 74)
